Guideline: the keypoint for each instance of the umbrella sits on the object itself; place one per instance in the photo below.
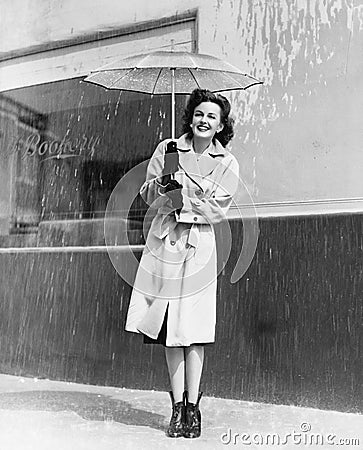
(164, 72)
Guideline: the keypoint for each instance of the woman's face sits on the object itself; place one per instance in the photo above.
(206, 120)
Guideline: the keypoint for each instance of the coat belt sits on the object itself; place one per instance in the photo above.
(163, 226)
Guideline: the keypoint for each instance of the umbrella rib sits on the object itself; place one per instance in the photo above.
(192, 74)
(228, 74)
(156, 81)
(230, 77)
(123, 76)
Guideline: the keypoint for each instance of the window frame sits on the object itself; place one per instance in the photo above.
(100, 40)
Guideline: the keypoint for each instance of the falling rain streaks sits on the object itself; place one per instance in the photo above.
(287, 45)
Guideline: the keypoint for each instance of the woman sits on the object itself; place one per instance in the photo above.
(173, 302)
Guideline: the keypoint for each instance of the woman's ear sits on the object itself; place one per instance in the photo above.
(220, 127)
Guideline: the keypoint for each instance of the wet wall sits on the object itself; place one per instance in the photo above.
(297, 132)
(289, 332)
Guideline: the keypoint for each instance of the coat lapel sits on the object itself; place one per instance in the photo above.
(208, 161)
(189, 164)
(207, 164)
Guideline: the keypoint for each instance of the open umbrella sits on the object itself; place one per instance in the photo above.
(164, 72)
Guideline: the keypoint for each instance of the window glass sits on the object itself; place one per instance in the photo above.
(64, 146)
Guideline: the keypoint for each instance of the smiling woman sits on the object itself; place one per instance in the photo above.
(173, 302)
(206, 123)
(207, 115)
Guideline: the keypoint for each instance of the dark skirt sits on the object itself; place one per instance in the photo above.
(161, 339)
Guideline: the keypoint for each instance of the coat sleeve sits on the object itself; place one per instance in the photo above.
(212, 209)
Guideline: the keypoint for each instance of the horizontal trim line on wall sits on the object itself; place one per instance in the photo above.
(100, 35)
(299, 208)
(261, 210)
(73, 249)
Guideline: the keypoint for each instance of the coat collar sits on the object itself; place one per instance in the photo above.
(206, 163)
(185, 145)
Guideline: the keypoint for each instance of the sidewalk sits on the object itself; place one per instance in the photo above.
(53, 415)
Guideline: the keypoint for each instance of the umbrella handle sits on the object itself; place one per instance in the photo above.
(172, 103)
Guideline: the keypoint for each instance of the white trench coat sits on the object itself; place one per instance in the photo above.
(178, 267)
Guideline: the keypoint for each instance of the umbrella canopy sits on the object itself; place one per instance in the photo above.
(172, 73)
(153, 73)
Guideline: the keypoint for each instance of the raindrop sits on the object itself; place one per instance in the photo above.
(80, 100)
(118, 103)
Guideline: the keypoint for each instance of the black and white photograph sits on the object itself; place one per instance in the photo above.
(181, 224)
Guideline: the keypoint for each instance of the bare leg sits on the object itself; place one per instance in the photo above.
(176, 366)
(194, 358)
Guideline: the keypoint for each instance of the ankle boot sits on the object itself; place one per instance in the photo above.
(176, 425)
(193, 418)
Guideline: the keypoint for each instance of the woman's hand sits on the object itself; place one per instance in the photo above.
(172, 185)
(173, 191)
(171, 159)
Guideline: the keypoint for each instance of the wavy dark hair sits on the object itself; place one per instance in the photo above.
(199, 96)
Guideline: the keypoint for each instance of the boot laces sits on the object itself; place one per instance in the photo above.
(176, 411)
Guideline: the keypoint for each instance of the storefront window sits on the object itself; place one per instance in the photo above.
(64, 146)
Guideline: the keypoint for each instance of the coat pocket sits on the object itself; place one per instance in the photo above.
(205, 250)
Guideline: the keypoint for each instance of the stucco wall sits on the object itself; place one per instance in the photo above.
(299, 135)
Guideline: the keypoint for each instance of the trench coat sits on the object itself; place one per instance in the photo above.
(178, 267)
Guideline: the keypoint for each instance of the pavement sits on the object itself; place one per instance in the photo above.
(55, 415)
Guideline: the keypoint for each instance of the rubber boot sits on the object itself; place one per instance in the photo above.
(176, 425)
(193, 418)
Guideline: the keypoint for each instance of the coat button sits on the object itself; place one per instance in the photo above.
(172, 242)
(198, 192)
(195, 219)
